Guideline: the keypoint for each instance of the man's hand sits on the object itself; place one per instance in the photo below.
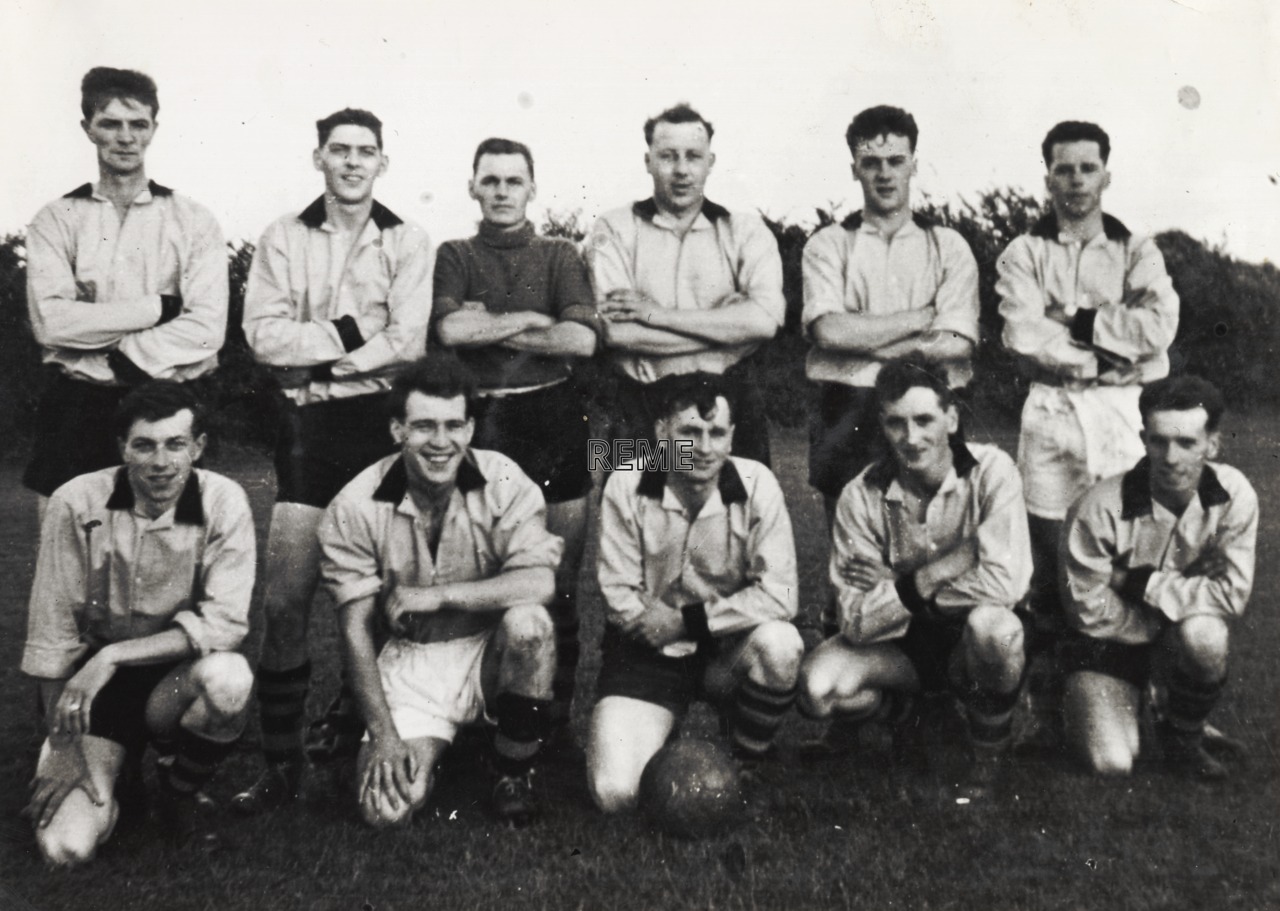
(372, 319)
(627, 305)
(86, 292)
(391, 770)
(71, 714)
(64, 770)
(410, 606)
(1213, 564)
(658, 625)
(864, 574)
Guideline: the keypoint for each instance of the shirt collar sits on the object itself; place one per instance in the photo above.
(189, 509)
(1112, 227)
(710, 213)
(885, 472)
(653, 484)
(855, 221)
(152, 190)
(314, 215)
(506, 239)
(395, 483)
(1135, 490)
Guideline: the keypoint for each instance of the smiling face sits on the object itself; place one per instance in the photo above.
(504, 188)
(707, 440)
(350, 161)
(919, 431)
(679, 160)
(158, 458)
(121, 129)
(1077, 176)
(433, 436)
(1178, 445)
(884, 167)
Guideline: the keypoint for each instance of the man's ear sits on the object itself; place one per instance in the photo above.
(198, 445)
(397, 431)
(316, 161)
(471, 189)
(471, 430)
(1106, 177)
(711, 160)
(953, 420)
(1215, 446)
(382, 168)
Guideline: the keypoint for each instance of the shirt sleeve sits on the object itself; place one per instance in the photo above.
(1088, 553)
(54, 644)
(59, 318)
(404, 339)
(1028, 330)
(770, 590)
(196, 333)
(872, 616)
(349, 566)
(572, 298)
(1179, 597)
(609, 259)
(449, 282)
(520, 536)
(1143, 324)
(220, 619)
(272, 328)
(956, 301)
(1000, 569)
(620, 564)
(823, 265)
(759, 267)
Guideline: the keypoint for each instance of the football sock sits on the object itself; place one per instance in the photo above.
(990, 718)
(282, 700)
(564, 615)
(757, 714)
(523, 723)
(194, 762)
(1191, 701)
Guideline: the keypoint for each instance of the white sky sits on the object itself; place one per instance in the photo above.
(242, 82)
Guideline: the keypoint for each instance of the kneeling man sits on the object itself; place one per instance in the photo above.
(141, 593)
(445, 548)
(698, 570)
(929, 554)
(1157, 562)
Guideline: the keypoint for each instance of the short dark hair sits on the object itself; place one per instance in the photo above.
(676, 392)
(103, 84)
(1075, 131)
(881, 120)
(900, 375)
(679, 113)
(440, 376)
(352, 116)
(495, 146)
(155, 401)
(1183, 393)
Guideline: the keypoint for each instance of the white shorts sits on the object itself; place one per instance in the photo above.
(433, 688)
(1072, 439)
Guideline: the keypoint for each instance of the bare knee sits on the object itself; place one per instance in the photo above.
(613, 792)
(1110, 757)
(224, 682)
(527, 631)
(996, 635)
(79, 827)
(1204, 642)
(775, 655)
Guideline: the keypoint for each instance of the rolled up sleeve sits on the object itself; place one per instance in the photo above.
(219, 621)
(620, 565)
(349, 566)
(1144, 324)
(956, 302)
(759, 271)
(520, 536)
(823, 268)
(54, 643)
(869, 616)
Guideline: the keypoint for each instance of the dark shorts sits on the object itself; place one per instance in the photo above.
(119, 710)
(639, 672)
(1130, 663)
(322, 446)
(545, 432)
(929, 647)
(844, 436)
(73, 432)
(632, 414)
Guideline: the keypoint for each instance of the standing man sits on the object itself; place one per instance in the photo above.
(698, 571)
(141, 593)
(518, 310)
(683, 284)
(126, 281)
(446, 546)
(929, 555)
(338, 298)
(1090, 313)
(1157, 563)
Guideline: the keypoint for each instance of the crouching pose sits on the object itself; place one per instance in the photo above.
(929, 555)
(698, 571)
(141, 591)
(446, 549)
(1156, 563)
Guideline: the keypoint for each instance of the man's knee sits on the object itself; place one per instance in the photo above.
(1204, 641)
(774, 654)
(225, 682)
(995, 635)
(527, 629)
(611, 791)
(1109, 756)
(75, 832)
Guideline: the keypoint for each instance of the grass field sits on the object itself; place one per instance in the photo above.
(849, 835)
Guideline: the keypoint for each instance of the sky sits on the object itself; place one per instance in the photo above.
(241, 83)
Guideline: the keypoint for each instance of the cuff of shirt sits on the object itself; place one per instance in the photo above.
(695, 621)
(1134, 590)
(349, 592)
(1082, 326)
(170, 307)
(51, 663)
(349, 332)
(207, 637)
(125, 369)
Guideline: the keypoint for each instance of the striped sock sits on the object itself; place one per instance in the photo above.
(282, 700)
(990, 718)
(564, 615)
(195, 760)
(757, 714)
(1191, 701)
(523, 723)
